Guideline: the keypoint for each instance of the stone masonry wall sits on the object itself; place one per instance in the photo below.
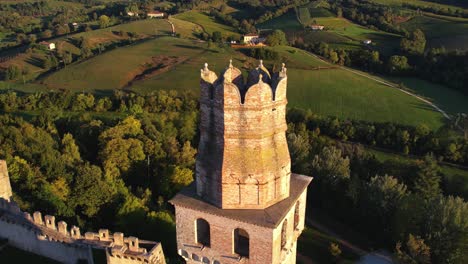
(243, 158)
(265, 243)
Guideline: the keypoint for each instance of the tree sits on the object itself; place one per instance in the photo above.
(416, 44)
(333, 56)
(381, 197)
(216, 36)
(90, 191)
(12, 73)
(276, 38)
(398, 64)
(299, 148)
(104, 21)
(415, 251)
(177, 178)
(444, 228)
(70, 151)
(330, 167)
(335, 251)
(427, 180)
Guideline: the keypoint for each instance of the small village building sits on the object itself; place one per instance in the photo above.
(317, 27)
(48, 45)
(155, 14)
(250, 38)
(132, 14)
(367, 41)
(75, 26)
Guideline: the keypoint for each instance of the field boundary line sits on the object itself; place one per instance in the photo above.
(389, 84)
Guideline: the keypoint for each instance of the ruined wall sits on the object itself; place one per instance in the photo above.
(243, 158)
(5, 187)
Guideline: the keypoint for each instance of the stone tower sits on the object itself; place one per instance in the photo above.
(245, 204)
(5, 187)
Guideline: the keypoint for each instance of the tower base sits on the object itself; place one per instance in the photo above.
(208, 234)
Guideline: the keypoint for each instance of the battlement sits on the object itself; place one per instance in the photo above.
(243, 158)
(46, 236)
(260, 88)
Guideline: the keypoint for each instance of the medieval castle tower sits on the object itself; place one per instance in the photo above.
(245, 206)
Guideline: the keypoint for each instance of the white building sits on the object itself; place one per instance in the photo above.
(48, 45)
(155, 14)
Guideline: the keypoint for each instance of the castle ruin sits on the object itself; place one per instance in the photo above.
(245, 205)
(43, 236)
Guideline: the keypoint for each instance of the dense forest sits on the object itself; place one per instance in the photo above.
(110, 163)
(404, 206)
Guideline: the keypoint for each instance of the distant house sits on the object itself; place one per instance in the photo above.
(251, 38)
(155, 14)
(76, 26)
(367, 41)
(48, 45)
(317, 27)
(132, 14)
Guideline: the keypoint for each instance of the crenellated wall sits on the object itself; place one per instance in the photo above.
(46, 237)
(243, 158)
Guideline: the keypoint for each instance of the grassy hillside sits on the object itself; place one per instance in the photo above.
(207, 23)
(115, 69)
(441, 31)
(338, 32)
(450, 100)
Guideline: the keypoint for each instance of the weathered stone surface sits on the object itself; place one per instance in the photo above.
(243, 175)
(5, 187)
(243, 158)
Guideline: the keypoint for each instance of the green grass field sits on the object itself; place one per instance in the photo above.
(207, 23)
(448, 99)
(114, 69)
(441, 31)
(344, 94)
(286, 22)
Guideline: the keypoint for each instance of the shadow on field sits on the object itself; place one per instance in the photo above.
(188, 47)
(35, 61)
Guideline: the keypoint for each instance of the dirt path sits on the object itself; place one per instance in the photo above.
(389, 84)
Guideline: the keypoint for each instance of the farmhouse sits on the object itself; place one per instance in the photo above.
(367, 41)
(132, 14)
(48, 45)
(251, 38)
(317, 27)
(155, 14)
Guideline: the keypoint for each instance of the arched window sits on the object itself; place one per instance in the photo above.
(296, 215)
(205, 260)
(203, 232)
(241, 242)
(195, 257)
(284, 235)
